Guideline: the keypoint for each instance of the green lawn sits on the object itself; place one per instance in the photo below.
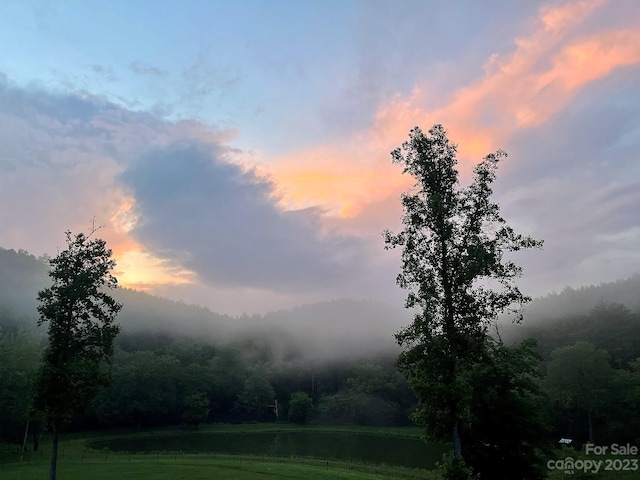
(78, 462)
(119, 468)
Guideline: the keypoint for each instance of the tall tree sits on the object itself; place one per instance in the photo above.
(81, 331)
(453, 247)
(579, 376)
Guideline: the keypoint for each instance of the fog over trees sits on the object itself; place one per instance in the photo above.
(325, 330)
(184, 364)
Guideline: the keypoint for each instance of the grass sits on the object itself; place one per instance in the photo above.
(77, 461)
(118, 467)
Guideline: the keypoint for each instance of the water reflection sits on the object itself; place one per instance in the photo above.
(358, 447)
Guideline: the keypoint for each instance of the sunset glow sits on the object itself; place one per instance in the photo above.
(228, 164)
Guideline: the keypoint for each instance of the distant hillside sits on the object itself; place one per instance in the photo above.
(579, 301)
(21, 277)
(607, 315)
(328, 329)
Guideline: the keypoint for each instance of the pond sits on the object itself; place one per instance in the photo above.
(357, 447)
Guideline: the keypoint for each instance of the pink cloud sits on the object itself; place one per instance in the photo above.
(551, 63)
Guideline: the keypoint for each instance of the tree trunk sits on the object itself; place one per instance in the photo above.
(37, 436)
(457, 444)
(24, 440)
(54, 454)
(451, 336)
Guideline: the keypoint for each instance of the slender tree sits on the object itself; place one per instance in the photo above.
(458, 281)
(81, 331)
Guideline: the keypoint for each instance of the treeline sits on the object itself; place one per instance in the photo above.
(263, 368)
(176, 363)
(241, 383)
(181, 381)
(590, 375)
(591, 372)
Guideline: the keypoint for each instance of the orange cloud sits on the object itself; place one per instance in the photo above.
(136, 266)
(139, 269)
(593, 58)
(522, 89)
(339, 180)
(526, 87)
(559, 18)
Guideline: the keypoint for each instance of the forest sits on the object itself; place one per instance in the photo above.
(178, 364)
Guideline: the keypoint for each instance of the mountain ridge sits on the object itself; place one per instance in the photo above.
(319, 329)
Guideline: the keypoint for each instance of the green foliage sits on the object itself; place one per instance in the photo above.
(369, 379)
(256, 396)
(151, 384)
(623, 404)
(143, 390)
(300, 407)
(367, 398)
(506, 434)
(81, 331)
(609, 326)
(196, 409)
(19, 355)
(453, 468)
(453, 243)
(228, 369)
(578, 377)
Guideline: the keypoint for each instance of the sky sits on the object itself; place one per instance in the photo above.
(238, 153)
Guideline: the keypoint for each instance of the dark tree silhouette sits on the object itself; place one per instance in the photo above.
(453, 246)
(81, 318)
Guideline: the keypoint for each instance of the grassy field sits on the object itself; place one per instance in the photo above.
(77, 461)
(118, 467)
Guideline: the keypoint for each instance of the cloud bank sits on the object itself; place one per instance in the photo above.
(223, 222)
(297, 218)
(177, 207)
